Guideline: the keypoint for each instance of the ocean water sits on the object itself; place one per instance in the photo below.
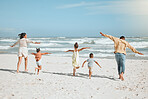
(101, 47)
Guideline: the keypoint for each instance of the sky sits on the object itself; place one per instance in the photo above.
(73, 18)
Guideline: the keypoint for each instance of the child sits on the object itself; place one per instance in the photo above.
(90, 64)
(38, 57)
(75, 57)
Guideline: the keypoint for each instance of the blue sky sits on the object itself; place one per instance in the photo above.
(76, 18)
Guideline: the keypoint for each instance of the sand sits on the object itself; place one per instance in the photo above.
(55, 80)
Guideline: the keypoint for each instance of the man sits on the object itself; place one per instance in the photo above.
(120, 52)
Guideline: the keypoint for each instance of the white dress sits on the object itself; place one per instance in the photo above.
(75, 59)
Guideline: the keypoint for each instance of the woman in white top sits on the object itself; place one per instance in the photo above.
(23, 51)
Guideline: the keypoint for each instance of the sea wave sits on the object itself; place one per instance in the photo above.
(139, 44)
(86, 55)
(67, 42)
(51, 49)
(4, 47)
(101, 47)
(7, 40)
(92, 42)
(104, 41)
(104, 51)
(45, 44)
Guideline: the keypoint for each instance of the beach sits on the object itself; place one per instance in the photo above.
(55, 80)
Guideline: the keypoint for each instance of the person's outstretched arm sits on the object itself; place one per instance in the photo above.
(29, 41)
(98, 64)
(69, 51)
(33, 53)
(45, 53)
(15, 44)
(83, 48)
(37, 43)
(133, 49)
(109, 36)
(84, 63)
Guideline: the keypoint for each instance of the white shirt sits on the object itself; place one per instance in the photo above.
(23, 42)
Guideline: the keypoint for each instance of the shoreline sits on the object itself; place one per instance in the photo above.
(81, 56)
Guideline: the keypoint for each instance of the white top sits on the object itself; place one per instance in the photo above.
(90, 62)
(23, 42)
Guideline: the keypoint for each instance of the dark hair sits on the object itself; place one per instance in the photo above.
(21, 35)
(122, 37)
(37, 50)
(76, 45)
(90, 55)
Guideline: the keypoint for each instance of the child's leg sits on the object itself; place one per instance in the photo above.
(36, 69)
(18, 64)
(77, 67)
(26, 61)
(90, 72)
(74, 70)
(39, 68)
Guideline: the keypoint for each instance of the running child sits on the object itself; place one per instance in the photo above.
(75, 57)
(38, 58)
(90, 64)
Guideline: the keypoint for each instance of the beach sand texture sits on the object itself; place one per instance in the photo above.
(55, 80)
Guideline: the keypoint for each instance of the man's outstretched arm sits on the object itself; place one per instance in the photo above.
(133, 49)
(109, 36)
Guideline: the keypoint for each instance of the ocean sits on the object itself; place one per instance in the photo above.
(100, 47)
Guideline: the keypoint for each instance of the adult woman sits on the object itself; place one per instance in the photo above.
(23, 51)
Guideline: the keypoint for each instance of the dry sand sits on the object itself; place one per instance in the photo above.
(55, 80)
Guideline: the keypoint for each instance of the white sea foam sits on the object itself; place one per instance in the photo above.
(51, 49)
(98, 55)
(98, 50)
(104, 41)
(7, 40)
(86, 55)
(139, 44)
(44, 45)
(60, 41)
(4, 47)
(40, 38)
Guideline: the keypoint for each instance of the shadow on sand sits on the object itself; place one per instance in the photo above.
(14, 71)
(66, 74)
(82, 75)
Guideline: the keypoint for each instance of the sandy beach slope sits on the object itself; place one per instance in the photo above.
(55, 80)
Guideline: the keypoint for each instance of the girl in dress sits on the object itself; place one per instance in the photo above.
(75, 57)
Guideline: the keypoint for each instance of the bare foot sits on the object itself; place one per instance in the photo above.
(89, 77)
(122, 78)
(17, 71)
(26, 70)
(73, 74)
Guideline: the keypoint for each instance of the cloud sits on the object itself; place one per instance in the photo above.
(130, 7)
(81, 4)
